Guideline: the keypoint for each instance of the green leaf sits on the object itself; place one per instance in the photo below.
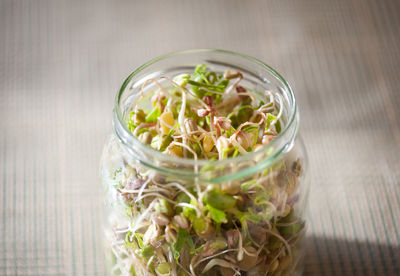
(243, 216)
(270, 118)
(188, 212)
(183, 237)
(199, 224)
(128, 240)
(290, 230)
(153, 115)
(261, 199)
(165, 141)
(224, 83)
(217, 88)
(163, 269)
(252, 217)
(181, 79)
(217, 215)
(250, 128)
(244, 114)
(219, 200)
(145, 252)
(200, 72)
(245, 186)
(236, 152)
(139, 238)
(278, 126)
(211, 77)
(131, 125)
(180, 198)
(172, 131)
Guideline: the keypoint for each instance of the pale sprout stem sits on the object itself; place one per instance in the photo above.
(184, 90)
(184, 269)
(184, 204)
(137, 222)
(143, 126)
(154, 81)
(143, 187)
(179, 186)
(240, 249)
(199, 201)
(213, 256)
(236, 144)
(279, 114)
(149, 262)
(124, 191)
(169, 126)
(230, 89)
(283, 241)
(156, 195)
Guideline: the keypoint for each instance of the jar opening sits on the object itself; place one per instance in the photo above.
(258, 72)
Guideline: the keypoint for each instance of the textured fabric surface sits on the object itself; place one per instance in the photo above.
(61, 63)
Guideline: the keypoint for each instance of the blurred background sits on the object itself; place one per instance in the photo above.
(62, 62)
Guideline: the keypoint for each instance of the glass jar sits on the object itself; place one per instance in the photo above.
(157, 220)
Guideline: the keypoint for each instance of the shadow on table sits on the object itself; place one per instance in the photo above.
(327, 256)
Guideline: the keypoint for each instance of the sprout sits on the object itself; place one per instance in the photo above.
(223, 145)
(164, 207)
(203, 112)
(170, 234)
(163, 269)
(223, 122)
(190, 125)
(228, 75)
(174, 150)
(167, 122)
(208, 100)
(230, 187)
(160, 219)
(139, 116)
(219, 200)
(181, 222)
(146, 138)
(181, 79)
(244, 139)
(152, 233)
(249, 259)
(203, 227)
(219, 262)
(208, 143)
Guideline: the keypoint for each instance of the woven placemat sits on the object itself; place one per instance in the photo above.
(61, 63)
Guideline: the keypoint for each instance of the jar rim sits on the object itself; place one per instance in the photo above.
(130, 140)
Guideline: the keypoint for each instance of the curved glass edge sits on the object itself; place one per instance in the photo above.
(133, 143)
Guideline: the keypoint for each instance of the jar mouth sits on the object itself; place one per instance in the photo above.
(275, 147)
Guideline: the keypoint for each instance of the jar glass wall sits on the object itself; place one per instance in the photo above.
(243, 215)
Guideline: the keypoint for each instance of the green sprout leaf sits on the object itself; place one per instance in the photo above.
(217, 215)
(270, 119)
(219, 200)
(139, 238)
(153, 115)
(181, 79)
(145, 252)
(245, 186)
(261, 199)
(218, 88)
(183, 237)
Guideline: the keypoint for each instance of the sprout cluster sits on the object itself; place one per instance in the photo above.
(203, 116)
(246, 226)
